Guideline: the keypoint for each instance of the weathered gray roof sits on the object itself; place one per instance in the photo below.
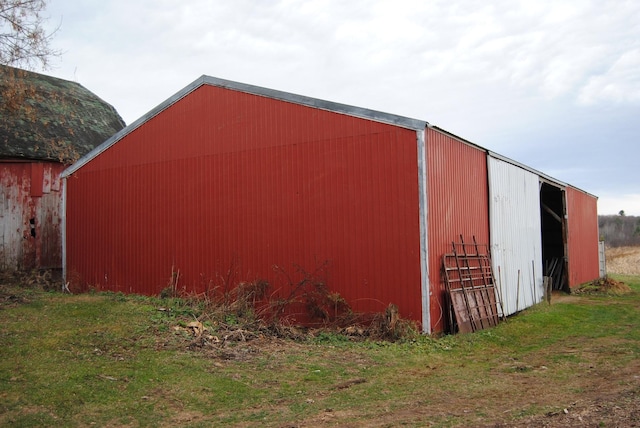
(46, 118)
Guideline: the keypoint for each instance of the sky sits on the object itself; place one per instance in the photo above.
(553, 84)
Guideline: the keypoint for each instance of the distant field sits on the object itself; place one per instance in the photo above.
(623, 260)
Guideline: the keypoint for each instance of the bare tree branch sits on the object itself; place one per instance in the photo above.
(23, 40)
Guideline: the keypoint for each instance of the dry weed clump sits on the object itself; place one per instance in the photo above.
(43, 279)
(604, 285)
(237, 322)
(387, 325)
(17, 287)
(301, 307)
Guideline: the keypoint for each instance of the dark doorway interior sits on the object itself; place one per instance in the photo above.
(554, 235)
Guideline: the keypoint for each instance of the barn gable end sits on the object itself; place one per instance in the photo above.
(221, 179)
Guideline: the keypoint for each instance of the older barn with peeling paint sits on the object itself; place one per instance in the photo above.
(45, 124)
(227, 182)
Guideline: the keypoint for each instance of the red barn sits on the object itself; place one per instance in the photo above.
(227, 179)
(45, 125)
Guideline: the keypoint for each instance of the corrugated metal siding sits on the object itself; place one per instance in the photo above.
(516, 240)
(223, 178)
(582, 228)
(457, 205)
(14, 212)
(30, 191)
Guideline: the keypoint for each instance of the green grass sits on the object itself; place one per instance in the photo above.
(112, 360)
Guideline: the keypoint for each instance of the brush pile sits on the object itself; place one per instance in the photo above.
(605, 286)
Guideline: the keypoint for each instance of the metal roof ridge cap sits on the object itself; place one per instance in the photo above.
(363, 113)
(459, 138)
(133, 126)
(582, 191)
(527, 168)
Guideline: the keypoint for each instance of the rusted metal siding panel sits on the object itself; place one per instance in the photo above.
(516, 239)
(224, 179)
(14, 212)
(49, 231)
(37, 177)
(457, 205)
(30, 215)
(48, 219)
(582, 230)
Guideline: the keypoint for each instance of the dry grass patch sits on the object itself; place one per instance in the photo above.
(623, 260)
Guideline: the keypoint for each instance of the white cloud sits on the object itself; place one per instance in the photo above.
(619, 84)
(630, 203)
(525, 78)
(542, 49)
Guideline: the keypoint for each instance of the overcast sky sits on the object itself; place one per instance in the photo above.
(554, 84)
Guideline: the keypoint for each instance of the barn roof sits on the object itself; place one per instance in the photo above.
(46, 118)
(392, 119)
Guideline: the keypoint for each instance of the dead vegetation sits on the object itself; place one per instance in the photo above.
(233, 314)
(300, 307)
(605, 286)
(623, 260)
(235, 332)
(17, 287)
(37, 279)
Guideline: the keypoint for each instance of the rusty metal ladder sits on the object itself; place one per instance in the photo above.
(474, 300)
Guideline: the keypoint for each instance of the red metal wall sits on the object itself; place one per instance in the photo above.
(226, 179)
(582, 239)
(457, 193)
(30, 191)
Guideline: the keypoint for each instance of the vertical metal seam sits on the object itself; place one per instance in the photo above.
(490, 195)
(63, 220)
(565, 235)
(423, 212)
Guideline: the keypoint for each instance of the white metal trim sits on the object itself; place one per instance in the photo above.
(423, 212)
(63, 219)
(360, 112)
(541, 175)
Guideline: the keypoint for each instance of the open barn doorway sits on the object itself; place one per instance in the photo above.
(553, 209)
